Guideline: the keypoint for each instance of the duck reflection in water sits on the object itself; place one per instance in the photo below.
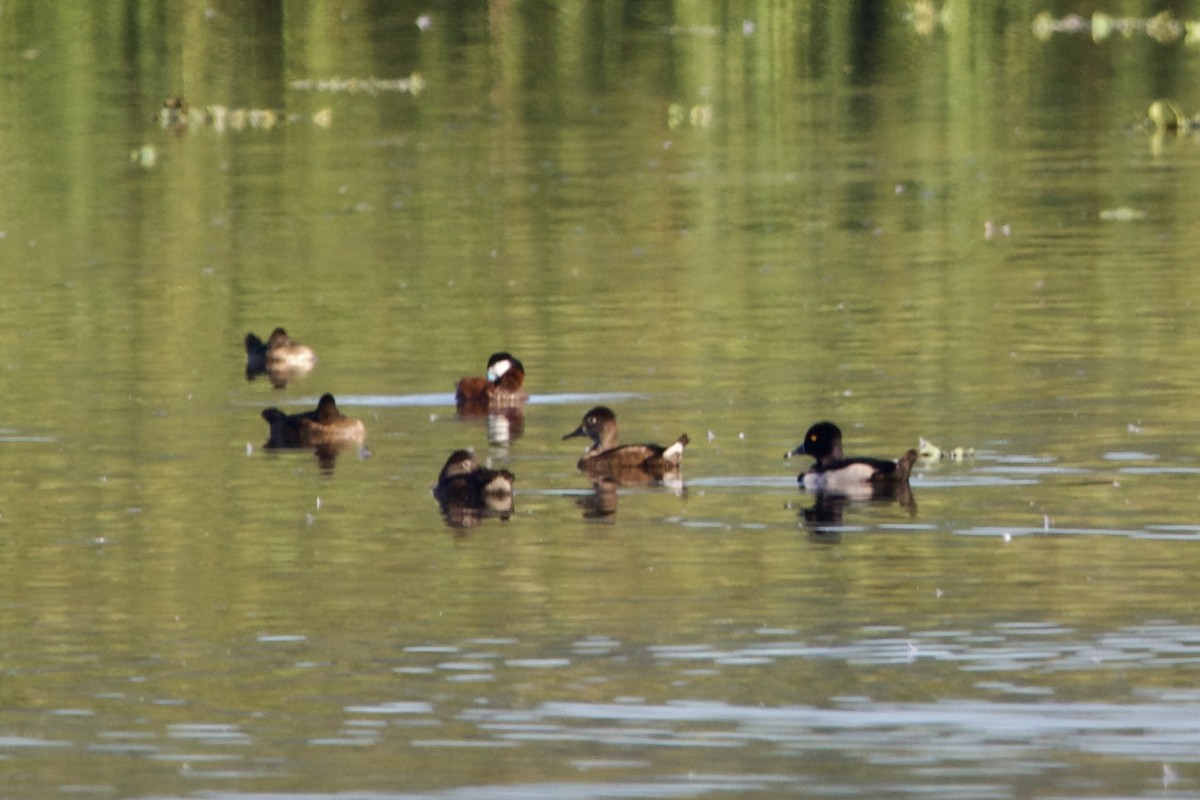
(280, 358)
(611, 466)
(499, 396)
(824, 516)
(601, 502)
(836, 480)
(504, 425)
(326, 430)
(468, 492)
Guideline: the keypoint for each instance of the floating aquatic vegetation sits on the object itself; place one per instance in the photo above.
(145, 156)
(1162, 27)
(1045, 25)
(925, 18)
(323, 118)
(928, 451)
(991, 230)
(414, 84)
(1122, 214)
(176, 114)
(1166, 115)
(691, 30)
(698, 116)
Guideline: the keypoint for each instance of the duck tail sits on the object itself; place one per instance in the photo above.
(674, 453)
(904, 466)
(253, 343)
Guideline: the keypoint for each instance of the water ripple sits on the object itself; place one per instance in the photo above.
(1162, 730)
(1150, 532)
(690, 785)
(438, 399)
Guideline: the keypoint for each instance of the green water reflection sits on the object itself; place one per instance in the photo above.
(748, 217)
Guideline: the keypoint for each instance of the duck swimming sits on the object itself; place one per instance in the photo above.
(834, 472)
(463, 480)
(467, 491)
(503, 387)
(326, 425)
(280, 357)
(626, 463)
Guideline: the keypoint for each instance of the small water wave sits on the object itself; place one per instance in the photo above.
(921, 481)
(1175, 528)
(1035, 469)
(692, 784)
(1163, 470)
(13, 435)
(413, 707)
(1150, 532)
(715, 524)
(7, 742)
(208, 732)
(743, 482)
(538, 663)
(983, 743)
(442, 399)
(1160, 730)
(1129, 455)
(968, 480)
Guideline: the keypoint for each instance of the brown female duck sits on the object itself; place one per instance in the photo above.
(467, 491)
(625, 463)
(280, 357)
(323, 426)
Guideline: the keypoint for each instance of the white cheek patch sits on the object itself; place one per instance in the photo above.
(497, 370)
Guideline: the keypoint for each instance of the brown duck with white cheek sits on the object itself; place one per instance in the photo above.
(503, 387)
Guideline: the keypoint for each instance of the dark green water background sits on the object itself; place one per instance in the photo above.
(745, 216)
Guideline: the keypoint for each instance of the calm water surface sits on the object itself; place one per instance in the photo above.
(730, 224)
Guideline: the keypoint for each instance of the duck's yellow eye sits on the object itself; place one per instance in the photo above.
(812, 438)
(591, 420)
